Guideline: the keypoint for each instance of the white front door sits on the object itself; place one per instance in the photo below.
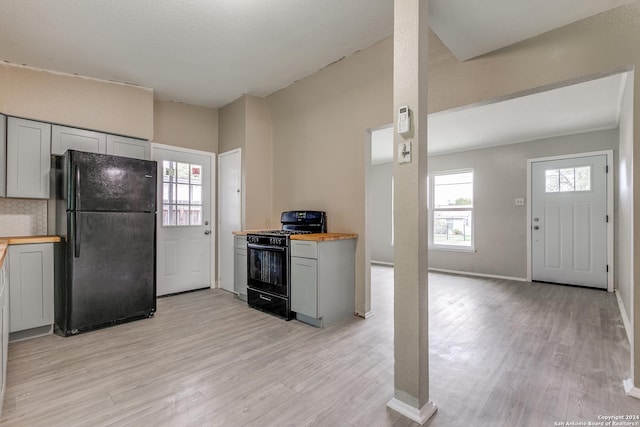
(229, 213)
(569, 221)
(184, 224)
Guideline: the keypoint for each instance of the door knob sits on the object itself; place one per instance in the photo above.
(207, 231)
(535, 227)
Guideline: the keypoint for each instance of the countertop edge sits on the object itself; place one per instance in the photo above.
(324, 237)
(24, 240)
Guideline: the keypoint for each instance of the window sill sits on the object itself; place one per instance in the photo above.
(452, 249)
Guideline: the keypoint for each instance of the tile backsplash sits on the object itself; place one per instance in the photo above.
(23, 217)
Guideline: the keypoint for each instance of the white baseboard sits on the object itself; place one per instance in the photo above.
(625, 317)
(420, 416)
(630, 389)
(388, 264)
(365, 315)
(470, 273)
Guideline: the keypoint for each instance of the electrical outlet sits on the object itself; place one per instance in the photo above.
(519, 201)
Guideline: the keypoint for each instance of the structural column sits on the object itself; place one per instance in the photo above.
(411, 326)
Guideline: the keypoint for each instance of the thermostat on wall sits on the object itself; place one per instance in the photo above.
(404, 120)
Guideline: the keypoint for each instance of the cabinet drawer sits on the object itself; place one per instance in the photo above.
(304, 249)
(240, 242)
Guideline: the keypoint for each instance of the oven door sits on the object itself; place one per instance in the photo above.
(268, 268)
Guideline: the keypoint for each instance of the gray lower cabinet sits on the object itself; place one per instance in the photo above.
(30, 286)
(4, 327)
(323, 280)
(240, 267)
(28, 158)
(65, 138)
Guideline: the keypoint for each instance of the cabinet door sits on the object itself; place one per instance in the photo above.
(128, 147)
(64, 138)
(304, 286)
(30, 286)
(4, 337)
(28, 158)
(3, 155)
(240, 277)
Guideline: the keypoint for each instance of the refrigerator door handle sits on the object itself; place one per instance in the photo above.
(76, 235)
(77, 192)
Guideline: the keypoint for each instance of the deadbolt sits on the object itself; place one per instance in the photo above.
(536, 219)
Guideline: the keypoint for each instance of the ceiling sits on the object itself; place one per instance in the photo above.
(587, 106)
(473, 28)
(210, 52)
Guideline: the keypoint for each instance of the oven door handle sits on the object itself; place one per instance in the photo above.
(266, 248)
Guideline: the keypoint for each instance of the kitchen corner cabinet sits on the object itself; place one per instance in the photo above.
(128, 147)
(30, 286)
(323, 280)
(3, 155)
(65, 138)
(240, 267)
(28, 158)
(4, 327)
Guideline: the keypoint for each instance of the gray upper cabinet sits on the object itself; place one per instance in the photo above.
(28, 158)
(128, 147)
(3, 155)
(65, 138)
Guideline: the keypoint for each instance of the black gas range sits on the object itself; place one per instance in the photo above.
(269, 263)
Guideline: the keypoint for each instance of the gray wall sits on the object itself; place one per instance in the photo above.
(500, 226)
(380, 215)
(624, 217)
(500, 177)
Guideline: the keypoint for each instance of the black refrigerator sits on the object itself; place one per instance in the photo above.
(106, 214)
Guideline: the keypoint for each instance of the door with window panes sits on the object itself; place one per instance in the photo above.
(184, 230)
(569, 221)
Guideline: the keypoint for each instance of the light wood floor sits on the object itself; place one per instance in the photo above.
(501, 353)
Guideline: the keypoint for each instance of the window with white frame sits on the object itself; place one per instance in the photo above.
(451, 209)
(181, 194)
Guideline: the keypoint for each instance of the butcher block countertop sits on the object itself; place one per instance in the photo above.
(24, 240)
(316, 237)
(324, 237)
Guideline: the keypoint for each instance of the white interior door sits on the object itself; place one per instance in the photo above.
(569, 221)
(184, 224)
(229, 213)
